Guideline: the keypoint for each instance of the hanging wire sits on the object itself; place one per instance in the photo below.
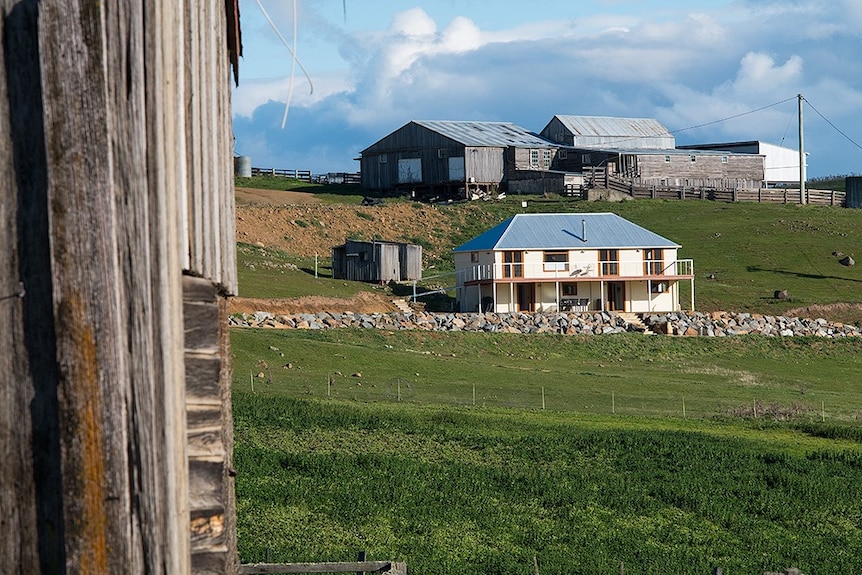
(622, 140)
(294, 60)
(849, 139)
(734, 116)
(790, 118)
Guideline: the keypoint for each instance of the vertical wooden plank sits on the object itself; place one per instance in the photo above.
(209, 141)
(227, 221)
(26, 403)
(123, 40)
(92, 369)
(192, 44)
(167, 136)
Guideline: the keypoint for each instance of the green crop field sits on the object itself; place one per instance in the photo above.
(469, 490)
(482, 453)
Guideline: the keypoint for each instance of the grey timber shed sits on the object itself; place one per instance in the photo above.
(452, 157)
(377, 261)
(608, 132)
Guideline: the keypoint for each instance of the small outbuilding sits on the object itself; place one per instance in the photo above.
(377, 261)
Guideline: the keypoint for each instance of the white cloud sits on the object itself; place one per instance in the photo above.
(758, 73)
(251, 94)
(684, 69)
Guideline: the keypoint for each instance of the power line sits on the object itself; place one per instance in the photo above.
(825, 119)
(734, 116)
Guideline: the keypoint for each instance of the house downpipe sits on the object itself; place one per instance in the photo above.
(584, 230)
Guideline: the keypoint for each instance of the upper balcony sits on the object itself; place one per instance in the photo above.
(579, 271)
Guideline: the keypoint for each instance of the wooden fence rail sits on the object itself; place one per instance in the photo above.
(722, 191)
(390, 567)
(303, 175)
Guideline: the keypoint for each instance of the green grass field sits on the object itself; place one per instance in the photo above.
(475, 453)
(469, 490)
(624, 374)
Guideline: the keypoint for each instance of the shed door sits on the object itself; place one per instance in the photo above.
(409, 170)
(456, 169)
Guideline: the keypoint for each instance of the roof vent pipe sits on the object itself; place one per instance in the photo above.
(583, 230)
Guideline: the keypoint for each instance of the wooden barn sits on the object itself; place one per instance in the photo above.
(608, 132)
(456, 158)
(118, 255)
(643, 151)
(377, 261)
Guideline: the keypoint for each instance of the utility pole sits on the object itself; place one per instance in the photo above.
(803, 195)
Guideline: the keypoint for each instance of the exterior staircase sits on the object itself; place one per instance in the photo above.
(635, 321)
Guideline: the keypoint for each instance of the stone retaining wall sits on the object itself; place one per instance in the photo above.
(718, 324)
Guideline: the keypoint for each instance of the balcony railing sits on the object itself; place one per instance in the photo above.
(607, 270)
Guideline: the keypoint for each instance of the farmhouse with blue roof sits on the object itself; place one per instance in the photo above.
(571, 262)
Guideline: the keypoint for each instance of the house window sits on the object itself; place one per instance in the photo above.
(546, 158)
(693, 158)
(563, 154)
(586, 159)
(534, 158)
(667, 158)
(569, 289)
(383, 158)
(556, 261)
(658, 287)
(724, 159)
(474, 257)
(513, 264)
(441, 153)
(653, 261)
(610, 262)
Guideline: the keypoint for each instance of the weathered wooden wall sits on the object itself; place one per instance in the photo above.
(678, 167)
(115, 149)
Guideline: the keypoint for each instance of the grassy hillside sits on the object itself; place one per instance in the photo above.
(462, 491)
(742, 252)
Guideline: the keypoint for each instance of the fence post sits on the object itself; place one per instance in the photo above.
(361, 558)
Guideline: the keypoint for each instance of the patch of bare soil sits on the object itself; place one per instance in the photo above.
(306, 229)
(363, 302)
(273, 197)
(842, 312)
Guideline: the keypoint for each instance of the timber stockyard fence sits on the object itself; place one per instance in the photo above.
(718, 190)
(307, 176)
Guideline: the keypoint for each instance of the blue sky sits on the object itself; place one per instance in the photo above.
(378, 64)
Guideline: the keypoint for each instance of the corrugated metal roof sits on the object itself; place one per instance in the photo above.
(610, 126)
(566, 231)
(486, 133)
(655, 151)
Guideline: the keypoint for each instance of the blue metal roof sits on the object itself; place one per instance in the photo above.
(486, 133)
(565, 231)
